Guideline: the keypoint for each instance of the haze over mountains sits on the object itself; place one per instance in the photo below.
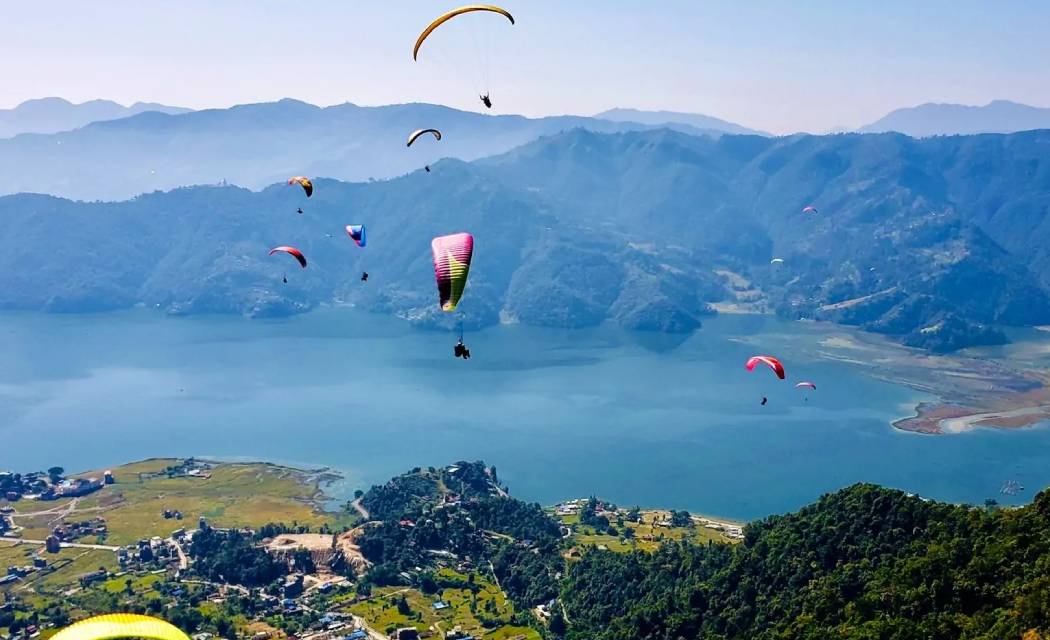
(124, 151)
(258, 144)
(50, 115)
(665, 118)
(927, 240)
(1000, 116)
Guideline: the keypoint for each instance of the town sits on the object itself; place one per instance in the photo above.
(431, 554)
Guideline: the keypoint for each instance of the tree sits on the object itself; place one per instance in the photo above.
(358, 493)
(402, 606)
(681, 519)
(55, 474)
(557, 623)
(427, 584)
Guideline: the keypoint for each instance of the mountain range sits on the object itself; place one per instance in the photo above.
(50, 115)
(666, 118)
(933, 241)
(999, 116)
(258, 144)
(102, 150)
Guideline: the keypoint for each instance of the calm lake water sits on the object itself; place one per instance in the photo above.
(637, 418)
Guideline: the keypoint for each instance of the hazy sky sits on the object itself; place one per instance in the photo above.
(779, 66)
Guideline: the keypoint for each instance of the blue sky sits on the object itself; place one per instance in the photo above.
(778, 66)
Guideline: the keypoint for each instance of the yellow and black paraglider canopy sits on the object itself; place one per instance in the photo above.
(445, 17)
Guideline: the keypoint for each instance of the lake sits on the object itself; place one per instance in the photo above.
(638, 418)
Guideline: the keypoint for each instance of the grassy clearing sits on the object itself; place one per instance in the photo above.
(139, 584)
(489, 603)
(69, 565)
(235, 495)
(647, 536)
(14, 554)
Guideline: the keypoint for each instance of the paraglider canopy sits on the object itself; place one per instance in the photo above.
(452, 255)
(418, 132)
(292, 251)
(357, 233)
(121, 625)
(445, 17)
(776, 261)
(806, 385)
(303, 182)
(809, 209)
(769, 361)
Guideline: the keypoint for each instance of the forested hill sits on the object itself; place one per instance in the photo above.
(935, 241)
(862, 563)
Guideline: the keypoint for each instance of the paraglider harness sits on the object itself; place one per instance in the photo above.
(485, 100)
(461, 350)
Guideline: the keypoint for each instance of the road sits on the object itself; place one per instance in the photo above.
(372, 633)
(64, 545)
(496, 579)
(356, 504)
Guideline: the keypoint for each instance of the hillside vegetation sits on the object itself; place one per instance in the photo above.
(936, 242)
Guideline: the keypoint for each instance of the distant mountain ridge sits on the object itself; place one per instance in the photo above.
(932, 241)
(51, 115)
(254, 145)
(999, 116)
(666, 118)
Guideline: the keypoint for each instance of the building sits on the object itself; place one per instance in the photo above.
(74, 487)
(407, 633)
(93, 577)
(52, 544)
(293, 586)
(440, 605)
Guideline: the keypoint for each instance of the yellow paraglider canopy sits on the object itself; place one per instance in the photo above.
(442, 19)
(121, 625)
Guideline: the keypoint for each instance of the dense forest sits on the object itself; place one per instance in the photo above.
(409, 494)
(230, 556)
(862, 563)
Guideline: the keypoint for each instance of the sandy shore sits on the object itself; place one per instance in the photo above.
(964, 391)
(1008, 411)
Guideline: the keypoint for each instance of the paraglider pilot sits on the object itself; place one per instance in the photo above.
(485, 100)
(364, 276)
(461, 350)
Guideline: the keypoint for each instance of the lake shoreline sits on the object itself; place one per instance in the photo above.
(1010, 411)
